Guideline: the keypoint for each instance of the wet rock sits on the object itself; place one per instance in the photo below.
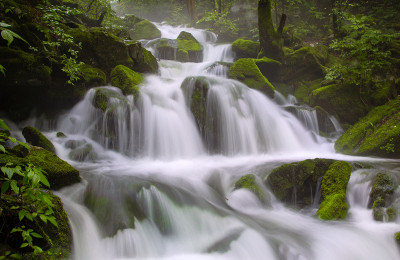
(36, 138)
(249, 182)
(126, 79)
(245, 49)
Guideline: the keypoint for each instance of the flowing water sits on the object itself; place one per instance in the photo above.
(156, 186)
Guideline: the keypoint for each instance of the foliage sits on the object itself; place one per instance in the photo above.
(24, 182)
(366, 58)
(218, 22)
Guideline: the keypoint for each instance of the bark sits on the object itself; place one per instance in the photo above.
(192, 12)
(281, 24)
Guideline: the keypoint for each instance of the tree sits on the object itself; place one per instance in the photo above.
(271, 40)
(192, 12)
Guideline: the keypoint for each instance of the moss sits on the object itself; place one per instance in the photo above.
(246, 71)
(249, 182)
(126, 79)
(61, 135)
(245, 48)
(144, 30)
(58, 172)
(36, 138)
(344, 101)
(182, 55)
(100, 100)
(333, 191)
(375, 134)
(187, 43)
(90, 76)
(151, 62)
(269, 68)
(391, 214)
(397, 237)
(296, 183)
(382, 191)
(305, 88)
(333, 207)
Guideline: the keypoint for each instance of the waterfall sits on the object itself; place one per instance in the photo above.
(160, 168)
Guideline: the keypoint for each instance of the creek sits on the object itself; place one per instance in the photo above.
(156, 187)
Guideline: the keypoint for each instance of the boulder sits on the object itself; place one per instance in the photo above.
(189, 49)
(249, 182)
(90, 76)
(333, 191)
(376, 134)
(296, 184)
(246, 71)
(83, 153)
(36, 138)
(245, 49)
(144, 60)
(144, 30)
(126, 79)
(269, 68)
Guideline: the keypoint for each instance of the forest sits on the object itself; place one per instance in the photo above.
(198, 129)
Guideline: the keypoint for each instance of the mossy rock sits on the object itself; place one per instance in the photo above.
(131, 19)
(126, 79)
(56, 241)
(102, 97)
(304, 90)
(187, 43)
(59, 173)
(101, 49)
(296, 183)
(83, 153)
(306, 63)
(269, 68)
(166, 48)
(249, 182)
(376, 134)
(61, 135)
(246, 71)
(144, 30)
(144, 60)
(36, 138)
(245, 48)
(397, 237)
(340, 100)
(90, 76)
(333, 191)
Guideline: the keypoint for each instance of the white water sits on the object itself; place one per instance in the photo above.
(153, 168)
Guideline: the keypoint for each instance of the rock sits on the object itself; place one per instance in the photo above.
(376, 134)
(144, 30)
(246, 71)
(36, 138)
(61, 135)
(126, 79)
(131, 19)
(59, 173)
(333, 191)
(189, 49)
(245, 49)
(297, 183)
(249, 182)
(397, 237)
(269, 68)
(90, 76)
(340, 100)
(166, 49)
(83, 153)
(101, 49)
(144, 60)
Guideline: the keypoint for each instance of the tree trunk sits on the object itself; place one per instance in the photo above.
(220, 6)
(192, 12)
(270, 40)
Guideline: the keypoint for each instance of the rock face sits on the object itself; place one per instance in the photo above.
(381, 197)
(297, 183)
(36, 138)
(246, 71)
(376, 134)
(333, 191)
(126, 79)
(245, 49)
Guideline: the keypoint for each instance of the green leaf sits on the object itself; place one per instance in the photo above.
(4, 125)
(4, 24)
(16, 256)
(34, 234)
(14, 186)
(5, 187)
(21, 214)
(6, 35)
(53, 221)
(43, 218)
(8, 171)
(43, 179)
(24, 245)
(2, 149)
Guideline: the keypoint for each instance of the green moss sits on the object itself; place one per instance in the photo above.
(60, 135)
(245, 48)
(305, 89)
(296, 183)
(269, 68)
(333, 191)
(126, 79)
(59, 173)
(187, 43)
(249, 182)
(375, 134)
(397, 237)
(182, 55)
(333, 207)
(150, 60)
(36, 138)
(391, 214)
(246, 71)
(144, 30)
(382, 191)
(90, 76)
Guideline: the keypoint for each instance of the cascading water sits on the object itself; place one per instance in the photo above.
(160, 174)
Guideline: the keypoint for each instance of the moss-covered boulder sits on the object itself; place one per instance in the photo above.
(166, 49)
(269, 68)
(376, 134)
(126, 79)
(144, 60)
(36, 138)
(144, 30)
(381, 197)
(59, 173)
(91, 76)
(333, 191)
(397, 237)
(246, 71)
(83, 153)
(56, 241)
(296, 183)
(245, 49)
(306, 63)
(340, 100)
(249, 182)
(189, 49)
(101, 49)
